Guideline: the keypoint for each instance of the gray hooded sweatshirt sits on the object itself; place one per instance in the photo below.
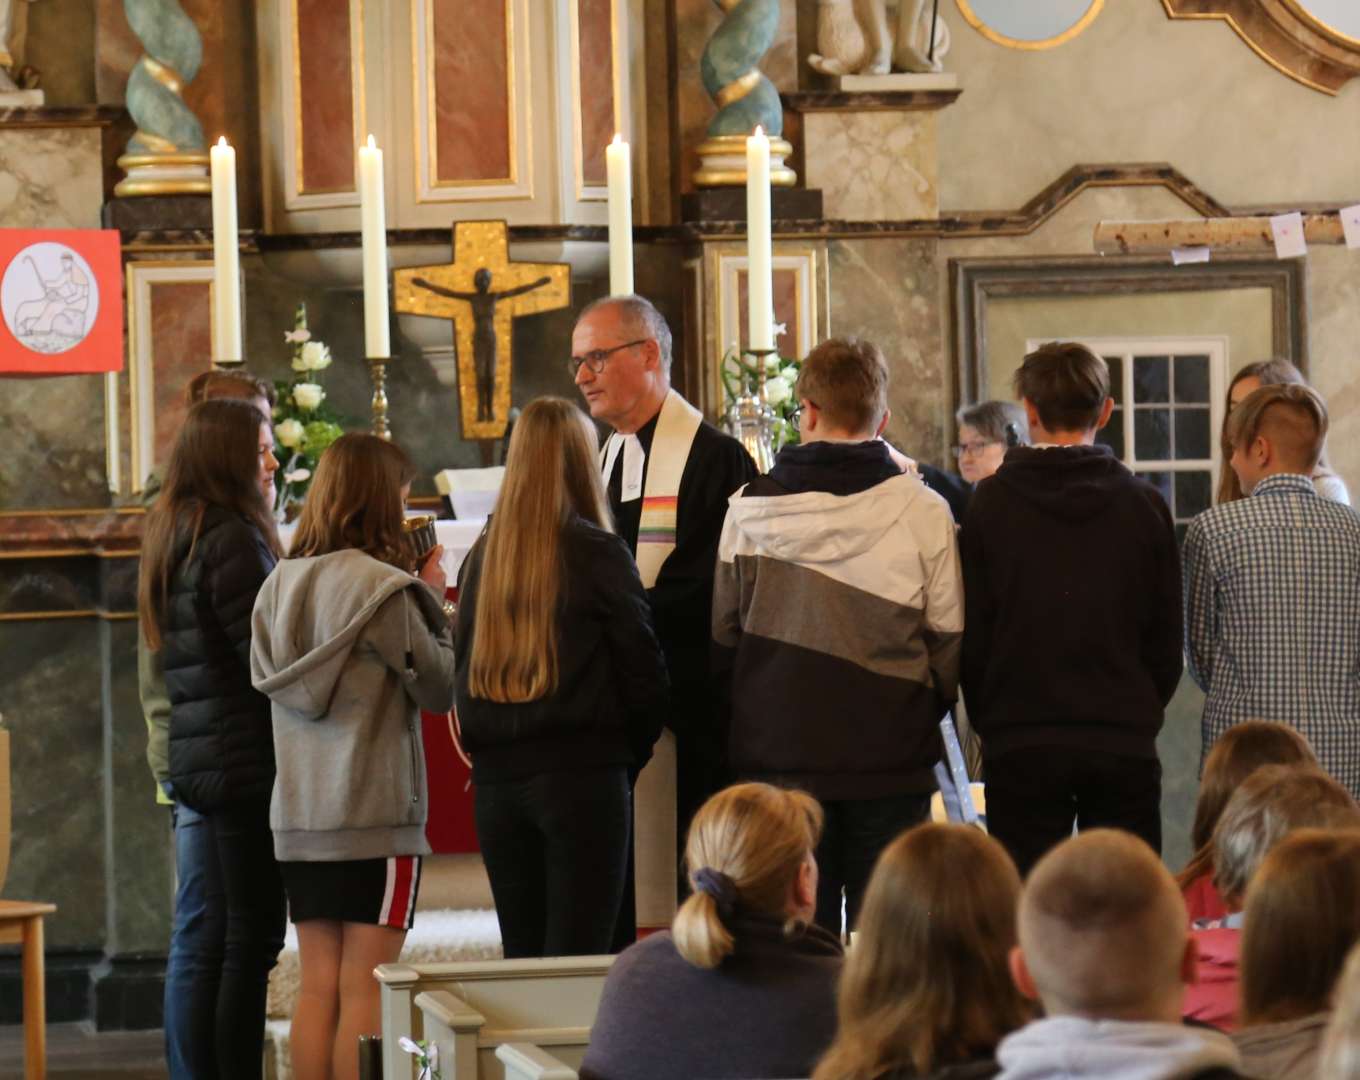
(349, 649)
(1073, 1048)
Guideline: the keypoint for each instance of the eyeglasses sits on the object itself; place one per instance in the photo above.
(973, 449)
(596, 358)
(796, 417)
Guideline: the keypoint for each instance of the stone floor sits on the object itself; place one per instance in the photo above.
(78, 1052)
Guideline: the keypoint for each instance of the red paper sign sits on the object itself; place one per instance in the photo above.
(61, 301)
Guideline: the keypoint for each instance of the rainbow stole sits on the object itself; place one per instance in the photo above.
(657, 524)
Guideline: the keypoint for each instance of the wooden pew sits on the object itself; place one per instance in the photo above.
(470, 1009)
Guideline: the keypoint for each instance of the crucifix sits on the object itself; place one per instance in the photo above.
(482, 292)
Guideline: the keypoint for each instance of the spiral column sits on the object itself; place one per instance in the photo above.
(167, 155)
(730, 69)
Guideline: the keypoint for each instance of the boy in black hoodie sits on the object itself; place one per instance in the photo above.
(1072, 640)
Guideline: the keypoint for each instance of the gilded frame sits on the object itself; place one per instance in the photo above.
(977, 23)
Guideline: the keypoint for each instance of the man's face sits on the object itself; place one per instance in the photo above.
(629, 377)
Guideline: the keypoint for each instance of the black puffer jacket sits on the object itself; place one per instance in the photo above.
(221, 741)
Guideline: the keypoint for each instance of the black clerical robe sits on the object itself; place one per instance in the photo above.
(682, 598)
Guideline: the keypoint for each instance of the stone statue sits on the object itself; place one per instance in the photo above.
(13, 33)
(853, 37)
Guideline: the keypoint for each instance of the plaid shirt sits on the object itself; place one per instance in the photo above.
(1272, 617)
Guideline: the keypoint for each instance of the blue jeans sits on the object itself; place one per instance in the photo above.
(226, 936)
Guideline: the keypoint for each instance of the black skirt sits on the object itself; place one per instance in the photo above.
(377, 892)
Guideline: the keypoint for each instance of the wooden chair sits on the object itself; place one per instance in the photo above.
(21, 923)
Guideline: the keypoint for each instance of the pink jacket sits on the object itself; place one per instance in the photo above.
(1202, 900)
(1214, 998)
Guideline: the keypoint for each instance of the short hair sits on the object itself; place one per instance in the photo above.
(1102, 925)
(1291, 415)
(757, 836)
(1234, 756)
(847, 379)
(1340, 1055)
(1066, 383)
(1271, 803)
(215, 383)
(991, 418)
(1302, 918)
(640, 319)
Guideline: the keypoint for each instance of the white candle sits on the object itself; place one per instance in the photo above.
(226, 256)
(619, 162)
(377, 341)
(759, 245)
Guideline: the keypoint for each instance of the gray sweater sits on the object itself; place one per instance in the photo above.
(349, 649)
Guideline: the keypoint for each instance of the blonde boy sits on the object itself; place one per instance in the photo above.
(1104, 945)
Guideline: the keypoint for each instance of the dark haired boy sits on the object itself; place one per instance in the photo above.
(837, 611)
(1072, 646)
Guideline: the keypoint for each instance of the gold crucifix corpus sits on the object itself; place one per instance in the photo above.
(482, 292)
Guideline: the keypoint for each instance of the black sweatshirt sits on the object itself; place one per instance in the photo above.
(611, 698)
(1072, 588)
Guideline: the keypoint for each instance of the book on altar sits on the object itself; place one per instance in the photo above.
(470, 493)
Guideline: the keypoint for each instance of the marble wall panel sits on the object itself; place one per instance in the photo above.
(1334, 331)
(51, 177)
(885, 290)
(595, 25)
(181, 347)
(471, 98)
(785, 299)
(52, 443)
(61, 45)
(325, 96)
(872, 166)
(52, 584)
(50, 695)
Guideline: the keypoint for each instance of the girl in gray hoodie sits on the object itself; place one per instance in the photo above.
(349, 646)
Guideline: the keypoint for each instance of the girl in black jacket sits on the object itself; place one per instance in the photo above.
(208, 545)
(562, 690)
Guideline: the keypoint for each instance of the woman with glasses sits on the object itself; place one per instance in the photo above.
(986, 431)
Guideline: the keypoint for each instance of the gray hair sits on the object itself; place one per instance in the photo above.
(640, 319)
(1271, 803)
(990, 418)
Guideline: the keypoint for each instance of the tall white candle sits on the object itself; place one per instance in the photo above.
(377, 340)
(619, 163)
(759, 245)
(226, 256)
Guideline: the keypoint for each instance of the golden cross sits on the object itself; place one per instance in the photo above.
(482, 292)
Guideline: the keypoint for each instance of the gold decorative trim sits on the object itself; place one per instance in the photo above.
(80, 511)
(165, 187)
(158, 144)
(738, 88)
(975, 21)
(181, 157)
(35, 616)
(164, 74)
(1326, 29)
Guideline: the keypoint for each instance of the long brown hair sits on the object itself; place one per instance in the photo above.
(551, 473)
(927, 982)
(758, 836)
(1302, 918)
(355, 501)
(1238, 753)
(1274, 372)
(215, 462)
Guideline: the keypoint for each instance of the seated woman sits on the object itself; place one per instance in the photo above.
(1340, 1057)
(1238, 753)
(986, 431)
(1303, 917)
(927, 991)
(743, 984)
(1273, 802)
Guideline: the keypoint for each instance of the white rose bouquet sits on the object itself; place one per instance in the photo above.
(303, 424)
(739, 374)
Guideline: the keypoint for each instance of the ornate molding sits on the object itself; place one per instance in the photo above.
(1285, 36)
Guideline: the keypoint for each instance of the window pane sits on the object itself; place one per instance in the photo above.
(1116, 366)
(1151, 378)
(1161, 481)
(1152, 434)
(1192, 494)
(1192, 379)
(1192, 433)
(1112, 434)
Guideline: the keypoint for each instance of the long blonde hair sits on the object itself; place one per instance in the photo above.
(927, 983)
(551, 473)
(1340, 1056)
(752, 838)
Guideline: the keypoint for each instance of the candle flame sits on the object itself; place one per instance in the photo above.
(221, 140)
(618, 138)
(759, 131)
(371, 144)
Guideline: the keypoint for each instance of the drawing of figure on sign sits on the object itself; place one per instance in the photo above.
(49, 298)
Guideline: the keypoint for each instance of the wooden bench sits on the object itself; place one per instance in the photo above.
(468, 1010)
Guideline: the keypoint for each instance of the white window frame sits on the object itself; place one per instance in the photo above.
(1212, 345)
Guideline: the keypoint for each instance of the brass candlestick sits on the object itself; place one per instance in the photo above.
(377, 367)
